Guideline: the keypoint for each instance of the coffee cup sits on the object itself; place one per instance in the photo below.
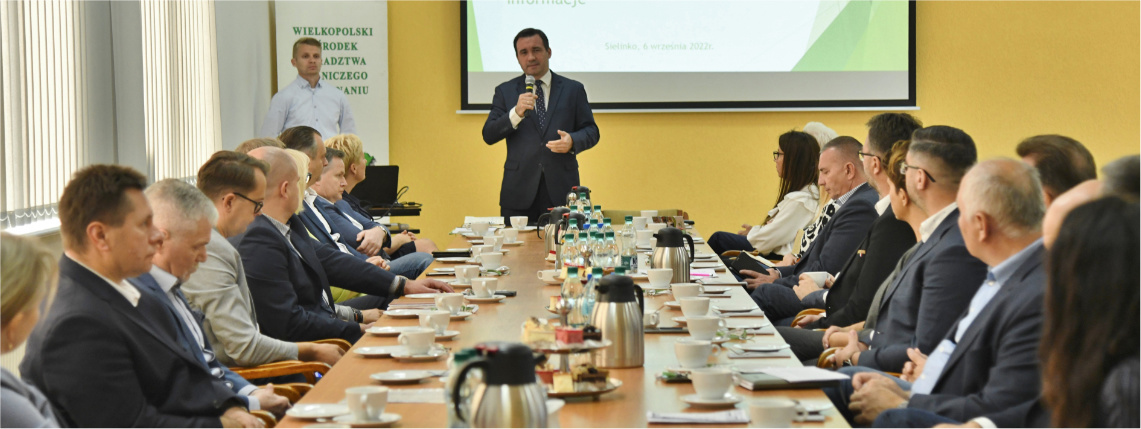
(772, 413)
(655, 227)
(484, 287)
(640, 222)
(643, 262)
(464, 274)
(549, 276)
(479, 228)
(649, 213)
(479, 250)
(518, 222)
(694, 306)
(417, 340)
(437, 320)
(820, 277)
(659, 277)
(495, 241)
(490, 260)
(643, 237)
(693, 353)
(711, 383)
(367, 403)
(510, 235)
(686, 290)
(450, 302)
(704, 327)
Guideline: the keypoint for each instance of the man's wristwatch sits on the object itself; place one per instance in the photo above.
(358, 316)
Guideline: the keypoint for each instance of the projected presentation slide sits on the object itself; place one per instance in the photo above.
(702, 54)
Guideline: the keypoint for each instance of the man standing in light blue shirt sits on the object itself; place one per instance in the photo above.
(309, 100)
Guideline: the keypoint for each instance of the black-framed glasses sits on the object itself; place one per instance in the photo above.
(903, 167)
(865, 154)
(777, 154)
(257, 204)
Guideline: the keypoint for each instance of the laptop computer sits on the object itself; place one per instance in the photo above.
(380, 185)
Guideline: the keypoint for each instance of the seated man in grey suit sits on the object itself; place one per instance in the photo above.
(937, 282)
(105, 354)
(185, 218)
(988, 360)
(842, 175)
(235, 183)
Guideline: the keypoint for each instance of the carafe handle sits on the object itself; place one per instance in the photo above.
(542, 222)
(692, 254)
(478, 363)
(641, 299)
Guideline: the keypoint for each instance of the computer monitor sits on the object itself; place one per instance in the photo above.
(380, 185)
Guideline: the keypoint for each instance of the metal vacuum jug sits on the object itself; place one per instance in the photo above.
(618, 315)
(510, 395)
(670, 253)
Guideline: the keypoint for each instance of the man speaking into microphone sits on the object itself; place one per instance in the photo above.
(546, 120)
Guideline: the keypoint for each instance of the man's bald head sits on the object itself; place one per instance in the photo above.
(1083, 193)
(1008, 191)
(281, 166)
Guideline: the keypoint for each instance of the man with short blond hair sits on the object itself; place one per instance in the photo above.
(309, 99)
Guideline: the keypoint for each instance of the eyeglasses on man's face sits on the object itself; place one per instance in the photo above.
(903, 167)
(866, 154)
(257, 204)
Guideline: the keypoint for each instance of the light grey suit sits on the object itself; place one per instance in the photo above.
(219, 290)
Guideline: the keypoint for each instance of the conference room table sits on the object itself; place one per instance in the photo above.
(627, 406)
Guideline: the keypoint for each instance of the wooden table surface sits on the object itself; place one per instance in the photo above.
(625, 407)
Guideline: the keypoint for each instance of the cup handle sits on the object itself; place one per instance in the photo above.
(539, 274)
(402, 340)
(721, 324)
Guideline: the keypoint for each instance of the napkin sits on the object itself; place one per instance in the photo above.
(417, 396)
(720, 417)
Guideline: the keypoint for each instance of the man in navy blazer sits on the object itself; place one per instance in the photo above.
(987, 361)
(105, 354)
(545, 130)
(842, 175)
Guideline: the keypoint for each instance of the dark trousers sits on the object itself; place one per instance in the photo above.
(806, 344)
(540, 205)
(909, 418)
(722, 241)
(780, 303)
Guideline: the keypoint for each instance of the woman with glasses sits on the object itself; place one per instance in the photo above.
(28, 276)
(797, 200)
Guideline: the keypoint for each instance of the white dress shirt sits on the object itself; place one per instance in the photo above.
(544, 82)
(124, 287)
(930, 224)
(323, 107)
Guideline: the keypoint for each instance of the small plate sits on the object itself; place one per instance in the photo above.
(720, 339)
(716, 289)
(447, 335)
(727, 401)
(433, 354)
(402, 377)
(389, 331)
(456, 283)
(462, 315)
(379, 351)
(422, 296)
(475, 242)
(403, 314)
(472, 235)
(750, 323)
(514, 243)
(763, 348)
(453, 259)
(317, 411)
(444, 270)
(740, 308)
(493, 298)
(386, 420)
(680, 320)
(673, 304)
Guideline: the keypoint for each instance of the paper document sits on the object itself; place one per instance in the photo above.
(720, 417)
(794, 374)
(494, 220)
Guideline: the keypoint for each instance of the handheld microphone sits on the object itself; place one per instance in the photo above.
(529, 83)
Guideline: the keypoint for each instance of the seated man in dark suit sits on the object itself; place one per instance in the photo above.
(319, 211)
(841, 174)
(289, 273)
(988, 361)
(106, 353)
(184, 216)
(937, 282)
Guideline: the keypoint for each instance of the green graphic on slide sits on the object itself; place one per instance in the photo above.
(864, 36)
(474, 55)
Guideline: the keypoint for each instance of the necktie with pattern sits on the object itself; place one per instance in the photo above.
(540, 105)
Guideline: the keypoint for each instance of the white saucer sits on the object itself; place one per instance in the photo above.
(763, 348)
(715, 289)
(682, 370)
(421, 296)
(389, 331)
(403, 314)
(741, 308)
(706, 265)
(679, 320)
(433, 354)
(514, 243)
(528, 228)
(673, 304)
(379, 351)
(728, 400)
(447, 335)
(720, 339)
(444, 270)
(402, 377)
(317, 411)
(453, 259)
(475, 242)
(750, 323)
(493, 298)
(462, 315)
(456, 283)
(386, 420)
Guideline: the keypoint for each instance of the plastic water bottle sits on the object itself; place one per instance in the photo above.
(596, 215)
(582, 203)
(572, 297)
(606, 227)
(572, 227)
(589, 295)
(569, 251)
(597, 249)
(613, 258)
(629, 257)
(584, 250)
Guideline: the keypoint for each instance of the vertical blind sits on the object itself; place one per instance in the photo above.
(45, 109)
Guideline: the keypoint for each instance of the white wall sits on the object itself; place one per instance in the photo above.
(244, 72)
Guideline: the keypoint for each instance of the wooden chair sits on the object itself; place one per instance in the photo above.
(285, 367)
(804, 313)
(266, 418)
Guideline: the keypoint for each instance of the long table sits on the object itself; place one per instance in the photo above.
(625, 407)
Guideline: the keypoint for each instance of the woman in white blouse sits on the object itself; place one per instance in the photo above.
(797, 200)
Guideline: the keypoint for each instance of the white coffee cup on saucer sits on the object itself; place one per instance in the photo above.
(771, 413)
(484, 287)
(820, 277)
(549, 276)
(643, 237)
(465, 273)
(518, 222)
(693, 353)
(367, 403)
(437, 320)
(450, 302)
(479, 250)
(704, 327)
(655, 227)
(686, 290)
(694, 306)
(649, 213)
(418, 340)
(490, 260)
(659, 277)
(479, 228)
(711, 383)
(510, 235)
(495, 241)
(640, 222)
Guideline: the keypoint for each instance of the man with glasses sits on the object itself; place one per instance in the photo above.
(236, 184)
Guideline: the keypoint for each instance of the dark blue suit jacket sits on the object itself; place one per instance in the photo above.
(287, 289)
(527, 154)
(928, 295)
(995, 364)
(838, 238)
(314, 226)
(105, 363)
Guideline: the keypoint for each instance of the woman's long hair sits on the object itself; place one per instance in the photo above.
(801, 155)
(1091, 307)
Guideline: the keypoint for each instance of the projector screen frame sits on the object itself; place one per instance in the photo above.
(467, 106)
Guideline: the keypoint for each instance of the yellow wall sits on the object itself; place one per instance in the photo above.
(1002, 71)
